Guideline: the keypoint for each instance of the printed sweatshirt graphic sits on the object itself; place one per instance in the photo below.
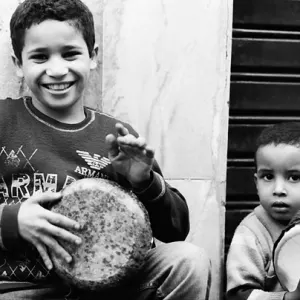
(38, 153)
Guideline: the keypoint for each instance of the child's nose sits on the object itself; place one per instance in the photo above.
(56, 68)
(279, 188)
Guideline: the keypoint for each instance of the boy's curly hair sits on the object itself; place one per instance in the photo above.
(32, 12)
(287, 133)
(281, 133)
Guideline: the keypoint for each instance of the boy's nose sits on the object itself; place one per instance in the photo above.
(279, 188)
(56, 69)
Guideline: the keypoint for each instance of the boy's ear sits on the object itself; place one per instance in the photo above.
(255, 179)
(18, 66)
(94, 57)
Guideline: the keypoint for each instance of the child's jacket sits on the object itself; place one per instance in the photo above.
(250, 270)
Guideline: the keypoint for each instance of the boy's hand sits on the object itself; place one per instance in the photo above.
(130, 156)
(41, 227)
(295, 295)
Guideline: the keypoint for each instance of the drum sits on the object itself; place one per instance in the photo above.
(116, 234)
(286, 255)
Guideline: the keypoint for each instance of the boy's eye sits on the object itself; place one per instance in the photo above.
(294, 178)
(268, 177)
(70, 54)
(39, 57)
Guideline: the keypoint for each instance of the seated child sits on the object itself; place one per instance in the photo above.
(44, 141)
(250, 270)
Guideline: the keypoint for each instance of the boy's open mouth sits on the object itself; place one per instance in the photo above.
(58, 86)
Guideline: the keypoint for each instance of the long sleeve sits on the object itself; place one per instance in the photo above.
(9, 233)
(247, 277)
(1, 227)
(167, 208)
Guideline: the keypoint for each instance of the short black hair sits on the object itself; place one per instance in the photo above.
(33, 12)
(287, 133)
(280, 133)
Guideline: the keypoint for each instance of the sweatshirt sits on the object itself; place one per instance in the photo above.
(38, 153)
(249, 266)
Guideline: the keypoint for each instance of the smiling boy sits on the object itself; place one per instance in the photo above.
(56, 72)
(50, 140)
(250, 270)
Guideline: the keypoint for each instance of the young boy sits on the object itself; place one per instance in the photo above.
(45, 142)
(250, 270)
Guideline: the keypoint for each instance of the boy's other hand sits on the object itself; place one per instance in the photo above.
(295, 295)
(130, 156)
(41, 227)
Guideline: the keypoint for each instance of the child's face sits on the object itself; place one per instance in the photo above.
(56, 66)
(278, 180)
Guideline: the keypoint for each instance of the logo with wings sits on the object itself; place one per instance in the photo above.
(96, 162)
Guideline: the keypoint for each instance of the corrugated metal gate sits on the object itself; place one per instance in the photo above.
(265, 89)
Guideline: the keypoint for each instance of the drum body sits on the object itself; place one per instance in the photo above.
(286, 257)
(116, 234)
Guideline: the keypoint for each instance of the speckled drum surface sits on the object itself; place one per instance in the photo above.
(116, 234)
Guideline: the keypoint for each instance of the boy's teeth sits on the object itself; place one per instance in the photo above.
(58, 87)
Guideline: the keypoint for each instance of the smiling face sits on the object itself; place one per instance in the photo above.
(278, 180)
(56, 67)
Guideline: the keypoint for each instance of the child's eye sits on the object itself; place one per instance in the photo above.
(39, 58)
(268, 177)
(71, 54)
(294, 178)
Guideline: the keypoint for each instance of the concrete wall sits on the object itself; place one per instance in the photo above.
(164, 67)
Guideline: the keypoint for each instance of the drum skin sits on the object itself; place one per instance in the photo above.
(116, 234)
(286, 255)
(287, 259)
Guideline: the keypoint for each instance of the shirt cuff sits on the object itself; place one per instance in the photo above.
(9, 226)
(259, 294)
(154, 191)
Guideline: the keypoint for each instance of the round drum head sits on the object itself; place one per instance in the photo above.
(116, 234)
(286, 258)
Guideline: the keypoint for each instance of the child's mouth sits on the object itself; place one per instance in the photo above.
(280, 207)
(279, 204)
(58, 87)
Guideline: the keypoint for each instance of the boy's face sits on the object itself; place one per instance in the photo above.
(278, 180)
(56, 66)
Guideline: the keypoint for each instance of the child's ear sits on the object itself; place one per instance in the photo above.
(255, 179)
(18, 66)
(94, 57)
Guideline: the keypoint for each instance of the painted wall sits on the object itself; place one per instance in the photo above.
(164, 67)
